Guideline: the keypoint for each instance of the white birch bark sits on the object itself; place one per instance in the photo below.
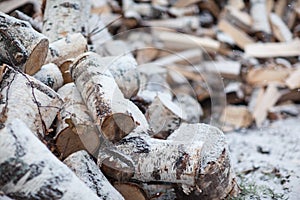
(30, 100)
(260, 16)
(21, 45)
(50, 75)
(30, 171)
(75, 130)
(63, 17)
(114, 115)
(86, 170)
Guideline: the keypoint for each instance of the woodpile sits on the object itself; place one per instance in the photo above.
(127, 99)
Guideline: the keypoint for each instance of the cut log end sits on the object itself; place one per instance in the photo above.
(131, 191)
(117, 126)
(37, 57)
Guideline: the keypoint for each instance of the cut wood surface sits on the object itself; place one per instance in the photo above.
(70, 17)
(293, 81)
(280, 29)
(267, 50)
(86, 170)
(30, 171)
(238, 18)
(114, 115)
(131, 191)
(39, 104)
(75, 128)
(21, 45)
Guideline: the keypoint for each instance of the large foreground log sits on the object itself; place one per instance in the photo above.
(21, 45)
(86, 169)
(28, 170)
(196, 157)
(115, 116)
(30, 100)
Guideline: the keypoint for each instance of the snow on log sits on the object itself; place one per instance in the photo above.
(195, 156)
(21, 45)
(163, 117)
(22, 16)
(63, 17)
(50, 75)
(28, 170)
(86, 170)
(75, 128)
(30, 100)
(115, 116)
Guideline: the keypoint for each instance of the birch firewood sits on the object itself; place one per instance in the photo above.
(22, 16)
(115, 115)
(50, 75)
(30, 171)
(131, 191)
(163, 117)
(260, 16)
(70, 17)
(86, 170)
(4, 197)
(30, 100)
(21, 45)
(196, 157)
(66, 48)
(124, 71)
(75, 130)
(280, 29)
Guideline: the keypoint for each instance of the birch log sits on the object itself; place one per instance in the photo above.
(86, 170)
(260, 16)
(30, 100)
(70, 17)
(75, 130)
(50, 75)
(30, 171)
(21, 45)
(22, 16)
(114, 115)
(4, 197)
(196, 157)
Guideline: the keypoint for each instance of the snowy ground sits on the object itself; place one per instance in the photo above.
(267, 160)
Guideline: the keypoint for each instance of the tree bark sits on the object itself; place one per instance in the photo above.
(75, 130)
(50, 75)
(115, 116)
(70, 17)
(30, 171)
(86, 170)
(30, 100)
(20, 45)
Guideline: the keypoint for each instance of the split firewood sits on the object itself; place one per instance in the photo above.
(280, 30)
(263, 76)
(280, 7)
(75, 128)
(228, 69)
(190, 108)
(236, 117)
(259, 15)
(267, 99)
(237, 4)
(115, 116)
(238, 18)
(131, 191)
(86, 170)
(163, 117)
(70, 17)
(184, 3)
(180, 12)
(235, 93)
(66, 48)
(50, 75)
(293, 81)
(30, 171)
(22, 16)
(125, 73)
(21, 45)
(39, 104)
(179, 41)
(240, 38)
(267, 50)
(197, 158)
(146, 54)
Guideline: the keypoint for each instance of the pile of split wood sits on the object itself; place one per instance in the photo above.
(104, 99)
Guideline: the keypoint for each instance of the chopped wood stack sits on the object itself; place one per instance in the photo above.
(131, 83)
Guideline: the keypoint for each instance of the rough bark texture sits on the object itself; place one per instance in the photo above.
(50, 75)
(70, 17)
(30, 100)
(86, 170)
(28, 170)
(75, 130)
(21, 45)
(22, 16)
(104, 99)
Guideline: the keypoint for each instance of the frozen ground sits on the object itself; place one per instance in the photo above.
(267, 160)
